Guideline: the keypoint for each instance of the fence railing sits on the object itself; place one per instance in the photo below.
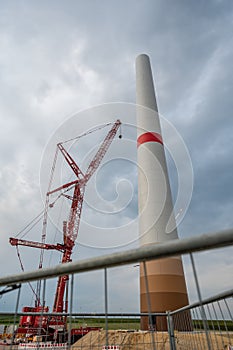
(212, 322)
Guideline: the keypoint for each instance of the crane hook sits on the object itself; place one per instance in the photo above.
(120, 134)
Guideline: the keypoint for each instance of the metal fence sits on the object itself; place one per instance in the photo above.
(212, 322)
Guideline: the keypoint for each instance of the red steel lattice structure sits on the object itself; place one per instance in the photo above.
(70, 231)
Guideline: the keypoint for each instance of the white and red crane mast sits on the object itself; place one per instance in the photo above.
(70, 227)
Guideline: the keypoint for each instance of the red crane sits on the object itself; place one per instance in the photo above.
(70, 231)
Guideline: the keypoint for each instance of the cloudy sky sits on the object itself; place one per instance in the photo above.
(61, 62)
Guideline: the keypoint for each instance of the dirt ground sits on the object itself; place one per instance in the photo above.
(144, 340)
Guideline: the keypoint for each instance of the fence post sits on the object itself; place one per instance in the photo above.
(202, 309)
(15, 316)
(170, 329)
(106, 305)
(71, 309)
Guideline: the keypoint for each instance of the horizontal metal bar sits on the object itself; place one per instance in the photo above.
(212, 299)
(86, 314)
(153, 251)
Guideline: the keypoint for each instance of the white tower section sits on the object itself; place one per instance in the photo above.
(155, 200)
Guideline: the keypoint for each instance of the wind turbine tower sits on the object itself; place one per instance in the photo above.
(166, 280)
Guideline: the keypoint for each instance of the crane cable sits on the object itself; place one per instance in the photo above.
(33, 223)
(87, 133)
(45, 219)
(47, 206)
(38, 217)
(22, 268)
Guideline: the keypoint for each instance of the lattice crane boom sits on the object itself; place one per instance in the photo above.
(71, 162)
(94, 164)
(39, 245)
(76, 208)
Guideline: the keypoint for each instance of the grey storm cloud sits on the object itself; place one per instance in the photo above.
(57, 58)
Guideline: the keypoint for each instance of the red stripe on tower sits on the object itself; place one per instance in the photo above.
(149, 137)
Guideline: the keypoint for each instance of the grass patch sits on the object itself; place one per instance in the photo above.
(214, 325)
(113, 323)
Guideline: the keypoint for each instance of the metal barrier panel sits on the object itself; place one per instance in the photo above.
(219, 326)
(206, 324)
(122, 331)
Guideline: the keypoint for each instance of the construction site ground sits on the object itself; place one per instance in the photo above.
(144, 340)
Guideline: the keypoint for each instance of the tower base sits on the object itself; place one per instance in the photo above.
(166, 292)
